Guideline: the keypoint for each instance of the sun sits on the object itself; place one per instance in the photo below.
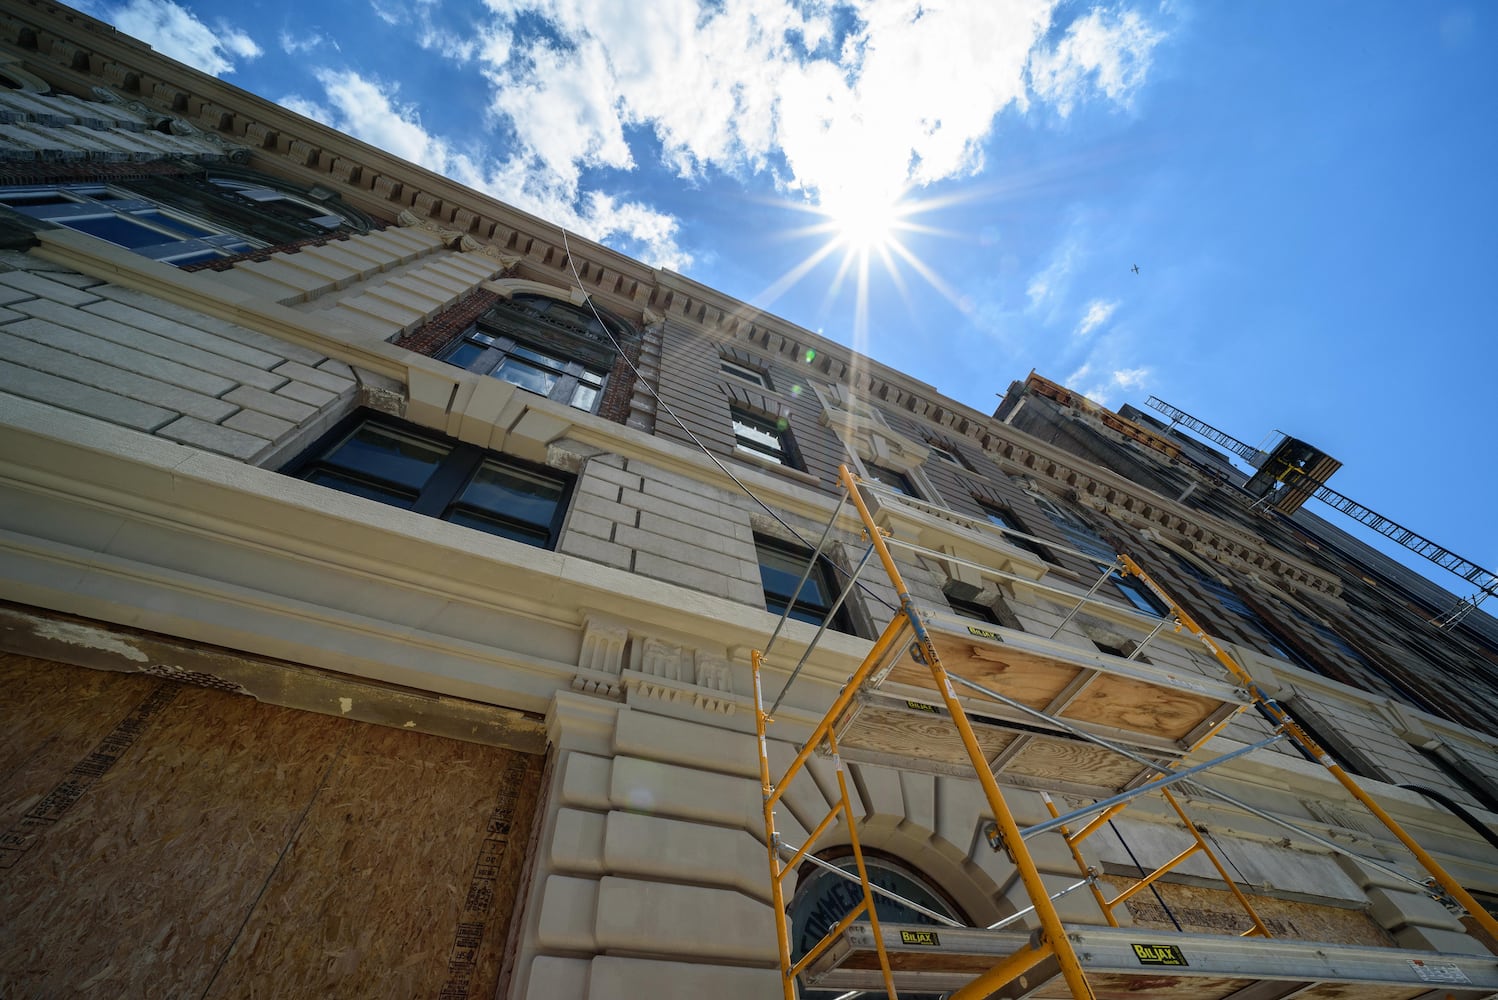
(861, 228)
(863, 216)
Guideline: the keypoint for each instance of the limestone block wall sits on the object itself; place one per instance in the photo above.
(133, 360)
(640, 517)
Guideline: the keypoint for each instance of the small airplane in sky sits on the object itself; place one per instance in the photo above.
(1136, 268)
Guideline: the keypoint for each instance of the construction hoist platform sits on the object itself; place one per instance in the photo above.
(947, 695)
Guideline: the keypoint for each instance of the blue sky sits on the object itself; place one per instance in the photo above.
(1307, 188)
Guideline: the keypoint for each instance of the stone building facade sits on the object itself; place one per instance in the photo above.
(381, 569)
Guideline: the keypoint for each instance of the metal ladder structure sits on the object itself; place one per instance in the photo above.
(1022, 693)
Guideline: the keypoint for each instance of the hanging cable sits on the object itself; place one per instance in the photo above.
(1142, 874)
(663, 405)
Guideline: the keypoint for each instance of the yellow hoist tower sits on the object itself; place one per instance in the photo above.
(1012, 705)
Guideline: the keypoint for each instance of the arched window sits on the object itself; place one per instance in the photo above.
(823, 898)
(546, 346)
(192, 218)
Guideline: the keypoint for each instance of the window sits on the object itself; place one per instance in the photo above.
(948, 455)
(759, 378)
(404, 467)
(1250, 619)
(780, 566)
(1138, 594)
(1004, 518)
(973, 610)
(280, 203)
(546, 346)
(823, 898)
(897, 481)
(764, 437)
(529, 367)
(128, 220)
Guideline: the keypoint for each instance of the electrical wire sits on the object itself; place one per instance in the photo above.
(1142, 874)
(663, 405)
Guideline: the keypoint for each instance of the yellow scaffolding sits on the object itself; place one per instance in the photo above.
(988, 960)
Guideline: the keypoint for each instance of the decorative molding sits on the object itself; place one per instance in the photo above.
(603, 646)
(595, 683)
(668, 690)
(658, 658)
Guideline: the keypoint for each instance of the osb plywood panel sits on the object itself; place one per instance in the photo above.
(51, 715)
(932, 737)
(1204, 910)
(1142, 708)
(139, 887)
(200, 843)
(391, 886)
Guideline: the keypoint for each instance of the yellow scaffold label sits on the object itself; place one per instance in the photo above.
(1159, 954)
(927, 938)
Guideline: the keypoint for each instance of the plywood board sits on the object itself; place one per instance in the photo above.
(231, 848)
(53, 717)
(1144, 708)
(1110, 986)
(139, 887)
(1207, 910)
(1124, 700)
(917, 736)
(1030, 679)
(1054, 762)
(390, 885)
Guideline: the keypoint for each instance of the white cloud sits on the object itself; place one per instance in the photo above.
(176, 32)
(847, 102)
(1110, 48)
(882, 94)
(1104, 390)
(300, 44)
(1051, 280)
(371, 112)
(1098, 313)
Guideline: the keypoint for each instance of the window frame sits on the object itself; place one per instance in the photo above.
(1008, 522)
(948, 455)
(754, 376)
(444, 492)
(569, 375)
(823, 576)
(789, 454)
(905, 486)
(582, 346)
(1138, 594)
(84, 201)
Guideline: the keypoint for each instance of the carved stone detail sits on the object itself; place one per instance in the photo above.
(713, 673)
(663, 659)
(604, 641)
(587, 682)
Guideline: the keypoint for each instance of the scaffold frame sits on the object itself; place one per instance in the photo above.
(1053, 944)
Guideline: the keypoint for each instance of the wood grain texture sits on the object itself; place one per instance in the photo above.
(1207, 910)
(1116, 701)
(1115, 986)
(918, 737)
(1032, 680)
(1073, 762)
(242, 850)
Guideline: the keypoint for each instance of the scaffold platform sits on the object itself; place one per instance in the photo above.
(1126, 963)
(1014, 688)
(945, 694)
